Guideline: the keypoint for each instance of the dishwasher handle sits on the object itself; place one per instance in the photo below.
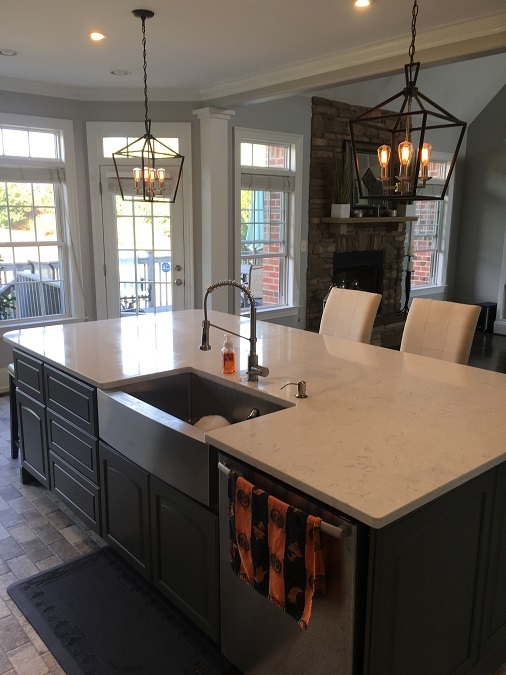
(336, 531)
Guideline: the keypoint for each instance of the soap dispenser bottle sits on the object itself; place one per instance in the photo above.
(228, 356)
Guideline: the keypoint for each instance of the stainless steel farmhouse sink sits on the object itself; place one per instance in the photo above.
(151, 423)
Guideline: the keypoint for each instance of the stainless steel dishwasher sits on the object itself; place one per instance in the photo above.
(261, 639)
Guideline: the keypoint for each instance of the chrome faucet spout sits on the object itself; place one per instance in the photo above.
(254, 370)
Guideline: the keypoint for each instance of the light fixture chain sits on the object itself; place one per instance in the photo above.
(413, 33)
(146, 116)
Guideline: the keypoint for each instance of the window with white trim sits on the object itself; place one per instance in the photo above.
(34, 260)
(268, 216)
(429, 234)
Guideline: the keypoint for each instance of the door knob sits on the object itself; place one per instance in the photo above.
(178, 282)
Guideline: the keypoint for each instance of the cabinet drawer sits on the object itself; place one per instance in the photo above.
(72, 399)
(29, 375)
(73, 445)
(80, 494)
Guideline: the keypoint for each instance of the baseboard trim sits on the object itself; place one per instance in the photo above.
(500, 326)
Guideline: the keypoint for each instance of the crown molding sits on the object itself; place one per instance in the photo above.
(72, 92)
(457, 40)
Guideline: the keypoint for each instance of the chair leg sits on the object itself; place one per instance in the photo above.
(14, 419)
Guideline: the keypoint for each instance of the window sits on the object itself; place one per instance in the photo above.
(429, 234)
(268, 213)
(34, 271)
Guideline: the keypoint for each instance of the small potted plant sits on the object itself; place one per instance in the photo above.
(340, 185)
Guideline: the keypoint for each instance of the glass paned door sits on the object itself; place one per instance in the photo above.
(144, 254)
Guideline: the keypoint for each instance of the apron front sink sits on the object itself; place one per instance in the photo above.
(151, 423)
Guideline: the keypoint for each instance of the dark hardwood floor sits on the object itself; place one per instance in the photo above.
(489, 352)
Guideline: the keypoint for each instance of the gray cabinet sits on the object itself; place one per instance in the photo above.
(79, 493)
(125, 508)
(57, 418)
(184, 538)
(74, 400)
(494, 615)
(427, 579)
(29, 375)
(168, 537)
(31, 418)
(32, 438)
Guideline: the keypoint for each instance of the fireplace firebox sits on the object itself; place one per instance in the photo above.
(361, 270)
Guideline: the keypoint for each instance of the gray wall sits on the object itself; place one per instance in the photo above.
(483, 207)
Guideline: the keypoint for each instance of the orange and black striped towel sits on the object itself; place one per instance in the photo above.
(275, 548)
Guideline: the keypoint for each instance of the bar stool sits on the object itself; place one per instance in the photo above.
(350, 314)
(440, 329)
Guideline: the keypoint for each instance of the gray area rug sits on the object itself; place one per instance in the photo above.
(98, 616)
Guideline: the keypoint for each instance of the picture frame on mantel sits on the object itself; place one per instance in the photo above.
(370, 171)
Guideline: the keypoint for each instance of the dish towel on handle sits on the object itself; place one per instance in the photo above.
(275, 548)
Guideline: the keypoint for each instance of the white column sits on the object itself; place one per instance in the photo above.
(216, 200)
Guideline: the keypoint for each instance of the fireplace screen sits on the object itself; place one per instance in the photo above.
(360, 270)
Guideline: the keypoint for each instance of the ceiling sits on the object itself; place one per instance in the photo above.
(231, 51)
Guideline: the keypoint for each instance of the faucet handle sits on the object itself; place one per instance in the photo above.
(258, 370)
(301, 388)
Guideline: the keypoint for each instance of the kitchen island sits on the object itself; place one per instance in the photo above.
(411, 448)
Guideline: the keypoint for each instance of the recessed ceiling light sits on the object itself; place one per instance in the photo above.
(8, 52)
(362, 3)
(121, 73)
(96, 36)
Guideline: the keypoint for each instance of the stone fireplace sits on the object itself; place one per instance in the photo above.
(381, 239)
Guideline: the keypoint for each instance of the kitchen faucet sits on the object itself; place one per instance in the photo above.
(254, 370)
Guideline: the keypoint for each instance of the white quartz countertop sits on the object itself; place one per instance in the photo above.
(380, 434)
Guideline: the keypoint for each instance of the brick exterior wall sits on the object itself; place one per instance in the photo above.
(329, 131)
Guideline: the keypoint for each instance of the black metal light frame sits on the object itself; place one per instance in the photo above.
(417, 113)
(151, 153)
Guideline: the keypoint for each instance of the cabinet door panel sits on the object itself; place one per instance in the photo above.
(427, 585)
(185, 555)
(494, 623)
(32, 437)
(125, 504)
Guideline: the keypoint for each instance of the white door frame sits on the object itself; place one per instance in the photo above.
(95, 132)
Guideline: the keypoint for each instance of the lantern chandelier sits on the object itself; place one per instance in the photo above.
(157, 178)
(409, 136)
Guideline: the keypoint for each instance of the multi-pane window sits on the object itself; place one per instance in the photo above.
(32, 215)
(426, 234)
(144, 256)
(267, 187)
(143, 240)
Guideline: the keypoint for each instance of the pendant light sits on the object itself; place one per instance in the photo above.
(157, 169)
(408, 136)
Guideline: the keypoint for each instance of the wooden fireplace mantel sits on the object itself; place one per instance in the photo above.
(368, 220)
